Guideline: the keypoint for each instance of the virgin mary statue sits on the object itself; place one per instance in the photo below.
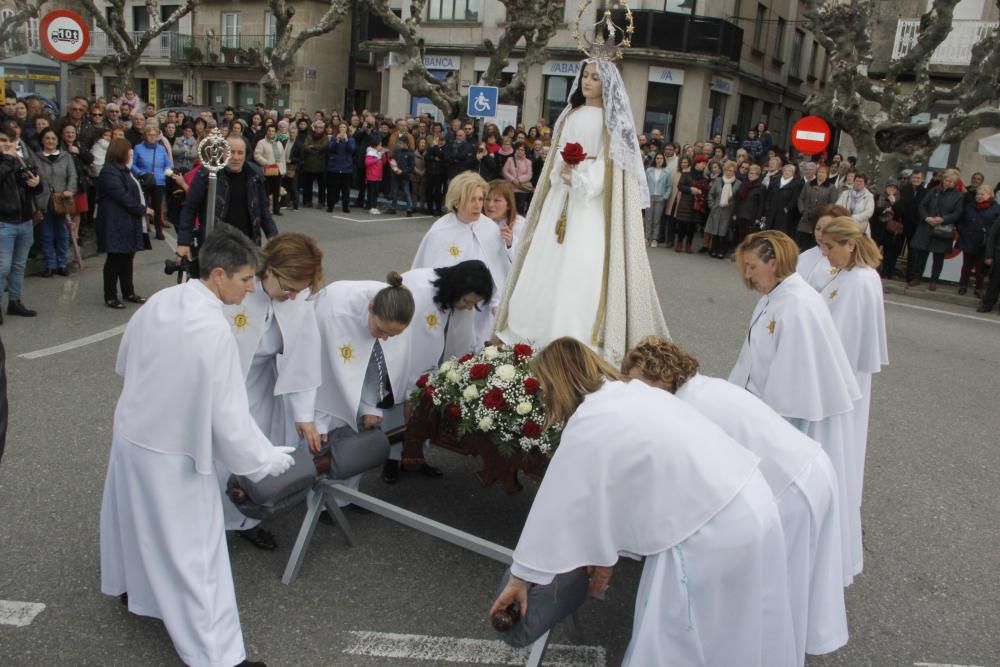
(581, 268)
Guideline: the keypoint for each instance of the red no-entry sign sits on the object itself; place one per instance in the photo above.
(64, 34)
(810, 135)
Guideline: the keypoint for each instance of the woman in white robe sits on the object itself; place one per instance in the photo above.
(793, 360)
(854, 298)
(641, 474)
(501, 208)
(163, 544)
(582, 269)
(796, 468)
(359, 378)
(813, 265)
(446, 302)
(276, 333)
(464, 234)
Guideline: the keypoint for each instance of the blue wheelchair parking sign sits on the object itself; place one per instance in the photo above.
(482, 101)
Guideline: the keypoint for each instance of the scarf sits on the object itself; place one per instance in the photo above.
(854, 199)
(983, 205)
(282, 137)
(727, 191)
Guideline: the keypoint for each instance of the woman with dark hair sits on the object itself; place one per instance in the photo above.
(446, 301)
(58, 176)
(122, 216)
(256, 130)
(500, 206)
(82, 159)
(749, 206)
(793, 360)
(639, 473)
(518, 170)
(692, 189)
(583, 269)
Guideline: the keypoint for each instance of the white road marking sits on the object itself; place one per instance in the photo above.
(73, 344)
(19, 613)
(380, 219)
(939, 664)
(988, 320)
(810, 136)
(468, 651)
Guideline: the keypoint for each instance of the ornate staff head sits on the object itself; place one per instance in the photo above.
(610, 49)
(214, 151)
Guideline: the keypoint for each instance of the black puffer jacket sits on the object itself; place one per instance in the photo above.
(16, 198)
(975, 226)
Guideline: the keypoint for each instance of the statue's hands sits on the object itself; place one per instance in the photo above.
(566, 173)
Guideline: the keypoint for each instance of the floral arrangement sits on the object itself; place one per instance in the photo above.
(493, 393)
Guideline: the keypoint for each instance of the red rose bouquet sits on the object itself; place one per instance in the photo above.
(494, 393)
(572, 154)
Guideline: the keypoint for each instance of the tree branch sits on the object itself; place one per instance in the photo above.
(23, 10)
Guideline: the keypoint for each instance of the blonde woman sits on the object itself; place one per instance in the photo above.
(854, 297)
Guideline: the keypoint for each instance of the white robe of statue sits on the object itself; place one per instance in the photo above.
(450, 241)
(793, 360)
(595, 286)
(805, 487)
(279, 354)
(162, 535)
(639, 473)
(856, 305)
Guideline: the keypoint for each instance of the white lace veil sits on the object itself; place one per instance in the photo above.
(624, 147)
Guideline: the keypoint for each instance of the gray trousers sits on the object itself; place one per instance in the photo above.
(652, 218)
(547, 605)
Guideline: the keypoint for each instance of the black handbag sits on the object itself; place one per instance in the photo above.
(943, 231)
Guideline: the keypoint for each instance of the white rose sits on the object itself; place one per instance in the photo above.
(470, 393)
(490, 352)
(486, 423)
(523, 408)
(453, 377)
(506, 372)
(445, 367)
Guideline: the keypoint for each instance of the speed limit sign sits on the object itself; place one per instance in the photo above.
(64, 34)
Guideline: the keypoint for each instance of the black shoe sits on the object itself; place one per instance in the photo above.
(259, 537)
(18, 308)
(409, 214)
(278, 213)
(962, 291)
(430, 471)
(47, 273)
(123, 598)
(135, 298)
(114, 303)
(983, 308)
(252, 663)
(391, 211)
(390, 471)
(329, 210)
(62, 271)
(346, 210)
(295, 208)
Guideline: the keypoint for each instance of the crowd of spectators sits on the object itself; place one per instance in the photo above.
(708, 191)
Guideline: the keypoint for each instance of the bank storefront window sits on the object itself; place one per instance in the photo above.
(662, 100)
(557, 77)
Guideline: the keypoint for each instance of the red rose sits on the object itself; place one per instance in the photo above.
(467, 357)
(494, 399)
(522, 351)
(531, 429)
(429, 391)
(454, 411)
(480, 371)
(572, 154)
(531, 386)
(422, 381)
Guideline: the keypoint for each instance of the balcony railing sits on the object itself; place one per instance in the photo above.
(236, 49)
(160, 47)
(670, 31)
(956, 49)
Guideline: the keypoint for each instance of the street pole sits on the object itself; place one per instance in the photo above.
(63, 86)
(214, 152)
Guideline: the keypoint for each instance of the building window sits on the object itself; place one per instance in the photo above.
(798, 41)
(270, 29)
(716, 115)
(661, 109)
(812, 59)
(453, 10)
(32, 34)
(779, 43)
(231, 31)
(758, 27)
(556, 93)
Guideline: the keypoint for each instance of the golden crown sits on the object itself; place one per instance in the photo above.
(610, 49)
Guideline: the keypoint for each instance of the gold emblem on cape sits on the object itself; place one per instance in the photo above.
(834, 270)
(347, 353)
(432, 320)
(770, 327)
(241, 321)
(833, 295)
(454, 251)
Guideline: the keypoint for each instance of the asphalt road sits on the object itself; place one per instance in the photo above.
(930, 592)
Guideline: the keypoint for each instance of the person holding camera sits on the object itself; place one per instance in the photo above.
(18, 182)
(55, 201)
(122, 213)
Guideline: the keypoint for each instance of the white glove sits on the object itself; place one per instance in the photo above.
(281, 461)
